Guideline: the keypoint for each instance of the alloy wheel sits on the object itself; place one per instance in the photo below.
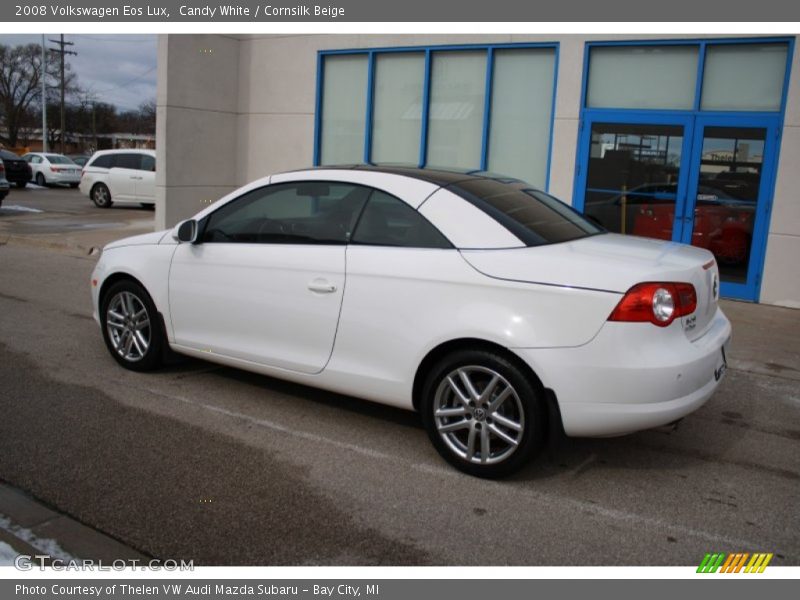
(478, 415)
(128, 326)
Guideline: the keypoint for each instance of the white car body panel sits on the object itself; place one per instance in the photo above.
(255, 302)
(250, 306)
(472, 229)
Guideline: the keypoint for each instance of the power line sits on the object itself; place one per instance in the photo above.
(127, 83)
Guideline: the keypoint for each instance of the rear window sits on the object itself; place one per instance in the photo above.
(57, 159)
(8, 155)
(533, 216)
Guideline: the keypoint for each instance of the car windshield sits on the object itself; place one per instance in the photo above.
(533, 216)
(58, 159)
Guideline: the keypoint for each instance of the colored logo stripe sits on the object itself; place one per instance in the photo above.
(733, 563)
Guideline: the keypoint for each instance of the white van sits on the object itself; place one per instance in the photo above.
(120, 176)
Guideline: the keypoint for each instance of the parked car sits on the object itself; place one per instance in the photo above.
(79, 159)
(496, 311)
(50, 169)
(120, 176)
(4, 186)
(18, 171)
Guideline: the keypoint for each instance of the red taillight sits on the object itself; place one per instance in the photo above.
(54, 169)
(659, 303)
(2, 166)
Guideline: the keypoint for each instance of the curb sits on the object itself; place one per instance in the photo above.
(32, 528)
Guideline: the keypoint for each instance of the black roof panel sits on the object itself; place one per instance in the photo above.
(438, 176)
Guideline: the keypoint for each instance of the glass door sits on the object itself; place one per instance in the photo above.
(729, 195)
(635, 177)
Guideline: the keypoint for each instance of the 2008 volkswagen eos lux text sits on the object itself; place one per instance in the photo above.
(487, 305)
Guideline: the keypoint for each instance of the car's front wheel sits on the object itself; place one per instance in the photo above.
(40, 180)
(101, 196)
(132, 327)
(483, 414)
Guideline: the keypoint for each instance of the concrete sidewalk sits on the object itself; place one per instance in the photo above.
(28, 527)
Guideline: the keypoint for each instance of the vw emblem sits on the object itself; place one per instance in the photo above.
(480, 414)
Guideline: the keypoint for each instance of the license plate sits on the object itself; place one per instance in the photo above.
(720, 371)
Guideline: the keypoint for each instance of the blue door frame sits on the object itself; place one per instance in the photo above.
(694, 125)
(748, 290)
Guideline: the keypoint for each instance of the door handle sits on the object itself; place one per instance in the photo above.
(322, 286)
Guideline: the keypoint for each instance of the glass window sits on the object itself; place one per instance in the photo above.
(104, 161)
(642, 77)
(397, 110)
(148, 163)
(310, 212)
(58, 159)
(388, 221)
(455, 129)
(534, 217)
(127, 161)
(744, 77)
(344, 102)
(522, 97)
(633, 173)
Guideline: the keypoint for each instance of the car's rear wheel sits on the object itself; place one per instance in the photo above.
(101, 196)
(132, 327)
(40, 180)
(483, 414)
(22, 184)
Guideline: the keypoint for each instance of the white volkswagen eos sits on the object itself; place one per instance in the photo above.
(493, 309)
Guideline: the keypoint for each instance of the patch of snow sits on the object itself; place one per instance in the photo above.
(7, 555)
(19, 208)
(44, 545)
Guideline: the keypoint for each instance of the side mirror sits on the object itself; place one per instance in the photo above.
(186, 231)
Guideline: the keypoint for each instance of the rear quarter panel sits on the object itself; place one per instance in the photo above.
(401, 303)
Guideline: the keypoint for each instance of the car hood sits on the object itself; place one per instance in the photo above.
(145, 239)
(609, 262)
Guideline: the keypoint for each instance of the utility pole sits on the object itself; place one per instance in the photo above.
(61, 43)
(44, 96)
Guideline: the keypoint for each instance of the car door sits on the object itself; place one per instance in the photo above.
(123, 175)
(146, 184)
(265, 281)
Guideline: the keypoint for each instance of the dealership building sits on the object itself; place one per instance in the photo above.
(691, 139)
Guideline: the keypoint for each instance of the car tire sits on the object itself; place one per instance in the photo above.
(73, 185)
(21, 184)
(132, 328)
(101, 196)
(40, 180)
(147, 205)
(483, 413)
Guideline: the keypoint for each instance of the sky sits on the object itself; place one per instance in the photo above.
(119, 69)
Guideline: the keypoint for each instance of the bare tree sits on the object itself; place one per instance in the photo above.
(20, 85)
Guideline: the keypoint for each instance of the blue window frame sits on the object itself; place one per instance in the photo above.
(429, 52)
(694, 121)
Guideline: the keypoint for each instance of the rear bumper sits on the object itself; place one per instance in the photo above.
(62, 177)
(632, 376)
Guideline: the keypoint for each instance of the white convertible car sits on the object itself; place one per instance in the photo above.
(493, 309)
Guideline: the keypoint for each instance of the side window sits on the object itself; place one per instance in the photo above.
(105, 161)
(36, 159)
(128, 161)
(148, 163)
(309, 212)
(388, 221)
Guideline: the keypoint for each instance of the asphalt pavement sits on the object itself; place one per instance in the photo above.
(202, 462)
